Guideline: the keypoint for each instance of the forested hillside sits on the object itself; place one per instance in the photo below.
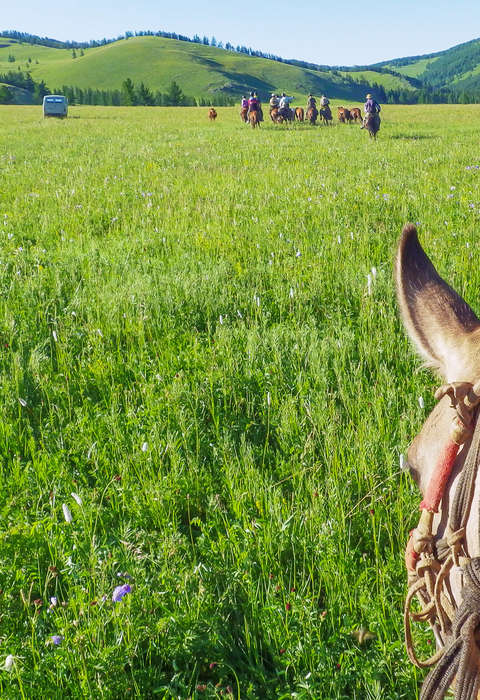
(166, 69)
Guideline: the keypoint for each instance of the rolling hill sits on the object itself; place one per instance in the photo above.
(209, 71)
(456, 69)
(198, 69)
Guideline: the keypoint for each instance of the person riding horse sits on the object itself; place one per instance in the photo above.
(254, 106)
(274, 101)
(371, 121)
(311, 101)
(284, 106)
(244, 108)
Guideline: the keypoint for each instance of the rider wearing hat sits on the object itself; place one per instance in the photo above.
(254, 106)
(311, 101)
(371, 107)
(284, 106)
(274, 101)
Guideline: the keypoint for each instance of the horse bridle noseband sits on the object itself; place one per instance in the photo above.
(429, 561)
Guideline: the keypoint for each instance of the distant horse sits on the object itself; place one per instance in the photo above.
(344, 115)
(372, 124)
(312, 115)
(212, 114)
(287, 114)
(355, 114)
(275, 116)
(254, 118)
(299, 114)
(326, 115)
(243, 114)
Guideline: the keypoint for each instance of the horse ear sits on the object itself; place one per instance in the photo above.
(443, 327)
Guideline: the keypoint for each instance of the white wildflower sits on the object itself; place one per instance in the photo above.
(22, 402)
(369, 284)
(421, 402)
(9, 662)
(76, 498)
(145, 447)
(54, 334)
(374, 272)
(66, 513)
(403, 464)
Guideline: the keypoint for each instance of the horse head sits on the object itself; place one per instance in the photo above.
(443, 554)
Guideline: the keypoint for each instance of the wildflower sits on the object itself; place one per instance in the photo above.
(66, 513)
(421, 402)
(369, 284)
(9, 661)
(212, 665)
(297, 254)
(53, 600)
(281, 651)
(54, 334)
(371, 511)
(402, 462)
(339, 239)
(221, 319)
(76, 498)
(22, 402)
(56, 639)
(288, 606)
(291, 292)
(374, 272)
(120, 592)
(145, 447)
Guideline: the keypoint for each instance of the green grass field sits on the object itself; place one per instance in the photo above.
(188, 344)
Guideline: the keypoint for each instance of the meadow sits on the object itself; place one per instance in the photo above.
(205, 391)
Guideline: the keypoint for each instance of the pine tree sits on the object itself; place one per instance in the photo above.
(128, 92)
(175, 95)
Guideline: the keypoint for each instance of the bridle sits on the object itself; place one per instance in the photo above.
(429, 561)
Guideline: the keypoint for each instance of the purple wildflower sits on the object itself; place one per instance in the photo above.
(120, 592)
(56, 639)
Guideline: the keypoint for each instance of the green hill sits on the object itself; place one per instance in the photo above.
(456, 69)
(198, 69)
(204, 71)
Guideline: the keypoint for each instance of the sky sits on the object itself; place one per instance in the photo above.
(342, 32)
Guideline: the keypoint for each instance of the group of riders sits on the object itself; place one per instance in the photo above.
(280, 105)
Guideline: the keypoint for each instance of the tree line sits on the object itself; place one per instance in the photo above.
(129, 95)
(141, 95)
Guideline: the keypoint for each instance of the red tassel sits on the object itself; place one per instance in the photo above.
(440, 477)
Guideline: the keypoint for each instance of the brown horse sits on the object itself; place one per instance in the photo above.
(344, 115)
(372, 124)
(326, 115)
(212, 114)
(312, 115)
(299, 114)
(443, 553)
(254, 118)
(355, 114)
(243, 114)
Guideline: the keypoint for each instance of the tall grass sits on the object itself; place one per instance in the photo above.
(188, 344)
